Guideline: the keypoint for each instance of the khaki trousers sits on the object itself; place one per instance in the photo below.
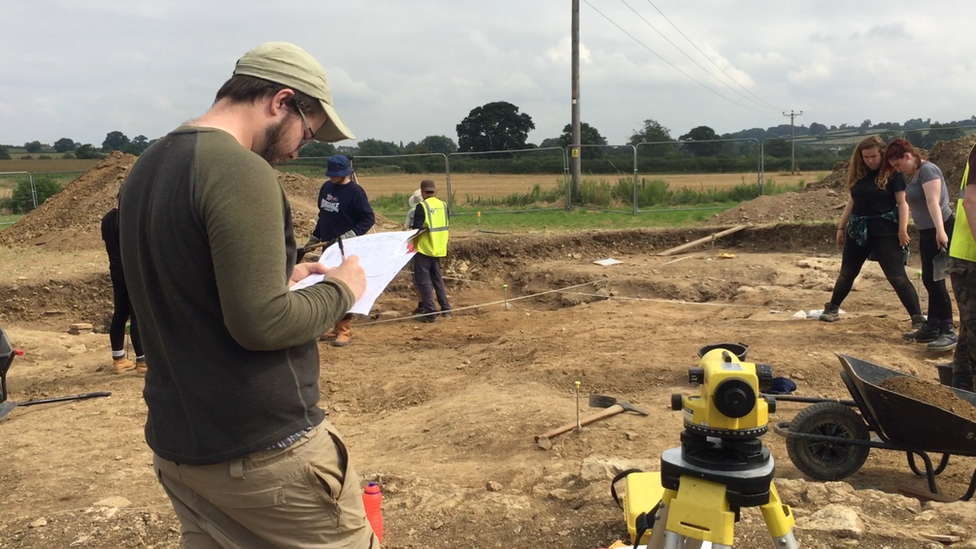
(305, 496)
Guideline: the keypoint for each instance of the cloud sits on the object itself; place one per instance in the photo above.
(810, 74)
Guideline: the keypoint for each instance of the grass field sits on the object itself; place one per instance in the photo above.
(491, 185)
(8, 220)
(52, 165)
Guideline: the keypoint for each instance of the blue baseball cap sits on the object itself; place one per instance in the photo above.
(338, 166)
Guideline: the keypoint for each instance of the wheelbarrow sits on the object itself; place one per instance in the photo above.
(7, 354)
(830, 440)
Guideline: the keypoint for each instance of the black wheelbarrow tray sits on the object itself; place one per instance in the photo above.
(831, 441)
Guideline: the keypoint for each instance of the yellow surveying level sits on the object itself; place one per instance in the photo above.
(720, 467)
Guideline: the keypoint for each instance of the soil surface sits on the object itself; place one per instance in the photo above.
(930, 393)
(444, 415)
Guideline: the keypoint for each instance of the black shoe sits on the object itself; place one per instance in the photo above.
(945, 341)
(831, 313)
(446, 314)
(427, 318)
(418, 311)
(928, 333)
(917, 322)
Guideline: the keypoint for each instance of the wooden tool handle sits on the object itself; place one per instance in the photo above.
(611, 411)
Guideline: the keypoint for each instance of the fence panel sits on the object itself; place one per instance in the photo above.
(694, 174)
(509, 181)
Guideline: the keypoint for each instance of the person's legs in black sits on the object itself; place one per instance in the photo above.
(963, 276)
(940, 305)
(421, 279)
(438, 282)
(141, 367)
(116, 331)
(892, 260)
(852, 259)
(927, 249)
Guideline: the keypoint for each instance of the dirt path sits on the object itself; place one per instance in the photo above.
(444, 415)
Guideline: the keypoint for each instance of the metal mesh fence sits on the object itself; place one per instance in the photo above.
(508, 181)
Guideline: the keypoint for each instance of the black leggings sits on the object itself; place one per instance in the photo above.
(890, 256)
(940, 306)
(123, 311)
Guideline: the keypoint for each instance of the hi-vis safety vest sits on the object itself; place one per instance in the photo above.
(433, 243)
(962, 245)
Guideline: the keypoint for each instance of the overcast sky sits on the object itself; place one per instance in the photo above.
(401, 70)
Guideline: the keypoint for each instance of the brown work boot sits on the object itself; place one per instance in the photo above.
(343, 330)
(331, 334)
(122, 365)
(141, 367)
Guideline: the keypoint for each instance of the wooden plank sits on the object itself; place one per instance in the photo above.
(710, 238)
(925, 495)
(942, 538)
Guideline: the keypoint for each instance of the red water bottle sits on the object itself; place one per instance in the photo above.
(372, 501)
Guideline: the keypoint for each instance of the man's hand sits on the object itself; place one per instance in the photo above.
(351, 274)
(302, 270)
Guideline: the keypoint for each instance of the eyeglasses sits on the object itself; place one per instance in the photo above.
(311, 133)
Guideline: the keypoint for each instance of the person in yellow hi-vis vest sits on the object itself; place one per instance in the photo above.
(430, 214)
(962, 273)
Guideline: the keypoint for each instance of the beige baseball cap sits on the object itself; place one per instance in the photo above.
(291, 66)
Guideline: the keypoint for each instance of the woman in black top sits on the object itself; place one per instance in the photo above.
(874, 224)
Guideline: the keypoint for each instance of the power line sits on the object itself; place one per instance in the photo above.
(668, 62)
(709, 73)
(709, 58)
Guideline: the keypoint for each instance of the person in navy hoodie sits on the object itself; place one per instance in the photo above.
(344, 211)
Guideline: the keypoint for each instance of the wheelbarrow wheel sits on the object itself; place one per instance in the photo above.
(828, 460)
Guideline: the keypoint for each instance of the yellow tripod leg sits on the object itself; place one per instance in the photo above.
(700, 511)
(779, 520)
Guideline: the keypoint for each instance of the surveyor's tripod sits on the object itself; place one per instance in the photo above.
(706, 482)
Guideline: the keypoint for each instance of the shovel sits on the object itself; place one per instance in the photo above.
(7, 406)
(612, 405)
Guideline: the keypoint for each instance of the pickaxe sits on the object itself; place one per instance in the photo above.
(612, 405)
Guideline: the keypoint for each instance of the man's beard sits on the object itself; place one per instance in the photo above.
(273, 151)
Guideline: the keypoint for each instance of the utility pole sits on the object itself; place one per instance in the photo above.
(574, 150)
(792, 115)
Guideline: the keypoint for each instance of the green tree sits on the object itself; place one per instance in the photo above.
(439, 144)
(87, 151)
(64, 145)
(588, 136)
(777, 148)
(115, 141)
(4, 153)
(652, 132)
(22, 200)
(138, 145)
(33, 146)
(375, 147)
(317, 149)
(702, 133)
(817, 129)
(494, 126)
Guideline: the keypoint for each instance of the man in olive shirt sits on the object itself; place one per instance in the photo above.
(240, 446)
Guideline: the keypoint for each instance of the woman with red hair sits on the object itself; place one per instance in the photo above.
(928, 199)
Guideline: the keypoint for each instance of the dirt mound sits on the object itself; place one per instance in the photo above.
(813, 205)
(71, 218)
(951, 157)
(824, 199)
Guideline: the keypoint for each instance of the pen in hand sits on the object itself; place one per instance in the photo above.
(342, 249)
